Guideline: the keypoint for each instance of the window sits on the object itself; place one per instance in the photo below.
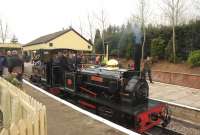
(50, 44)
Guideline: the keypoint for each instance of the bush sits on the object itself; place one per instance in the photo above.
(158, 48)
(12, 79)
(194, 58)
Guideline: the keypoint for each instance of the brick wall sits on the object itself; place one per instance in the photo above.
(187, 80)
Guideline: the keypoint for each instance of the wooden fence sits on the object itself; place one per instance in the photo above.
(21, 114)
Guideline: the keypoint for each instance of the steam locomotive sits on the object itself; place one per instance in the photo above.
(120, 95)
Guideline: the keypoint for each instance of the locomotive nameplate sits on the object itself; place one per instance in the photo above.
(96, 78)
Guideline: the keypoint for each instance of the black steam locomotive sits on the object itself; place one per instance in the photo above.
(120, 95)
(119, 85)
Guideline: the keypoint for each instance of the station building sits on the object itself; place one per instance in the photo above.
(10, 46)
(65, 39)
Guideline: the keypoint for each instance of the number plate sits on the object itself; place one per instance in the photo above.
(96, 78)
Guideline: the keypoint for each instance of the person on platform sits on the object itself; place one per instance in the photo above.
(71, 62)
(78, 60)
(131, 66)
(97, 60)
(59, 65)
(2, 63)
(146, 68)
(8, 61)
(17, 65)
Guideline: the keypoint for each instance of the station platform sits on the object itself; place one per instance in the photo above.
(63, 120)
(175, 94)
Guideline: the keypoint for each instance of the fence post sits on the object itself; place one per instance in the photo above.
(4, 132)
(14, 129)
(16, 110)
(6, 108)
(22, 127)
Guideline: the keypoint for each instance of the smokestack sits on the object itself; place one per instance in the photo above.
(137, 46)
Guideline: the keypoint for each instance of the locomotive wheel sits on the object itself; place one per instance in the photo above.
(105, 112)
(142, 89)
(166, 116)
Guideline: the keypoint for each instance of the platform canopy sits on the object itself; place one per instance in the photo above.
(65, 39)
(10, 45)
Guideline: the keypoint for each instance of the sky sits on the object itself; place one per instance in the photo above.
(29, 19)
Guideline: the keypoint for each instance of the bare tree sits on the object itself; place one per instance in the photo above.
(141, 18)
(80, 26)
(197, 4)
(4, 32)
(142, 9)
(173, 10)
(91, 29)
(102, 21)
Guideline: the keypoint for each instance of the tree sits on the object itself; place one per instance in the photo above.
(3, 31)
(91, 29)
(129, 51)
(14, 40)
(157, 48)
(197, 4)
(142, 6)
(173, 10)
(125, 38)
(80, 26)
(102, 21)
(141, 18)
(98, 42)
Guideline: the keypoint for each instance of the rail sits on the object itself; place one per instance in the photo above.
(22, 115)
(161, 131)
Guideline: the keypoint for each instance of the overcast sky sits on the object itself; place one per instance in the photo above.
(29, 19)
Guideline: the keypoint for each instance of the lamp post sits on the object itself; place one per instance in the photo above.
(106, 53)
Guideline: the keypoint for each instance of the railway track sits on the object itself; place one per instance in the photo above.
(161, 131)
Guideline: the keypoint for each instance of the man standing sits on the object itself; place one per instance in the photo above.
(17, 65)
(2, 63)
(147, 68)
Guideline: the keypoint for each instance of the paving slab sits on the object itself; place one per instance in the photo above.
(63, 120)
(174, 93)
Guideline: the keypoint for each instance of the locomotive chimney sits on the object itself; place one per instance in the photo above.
(137, 36)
